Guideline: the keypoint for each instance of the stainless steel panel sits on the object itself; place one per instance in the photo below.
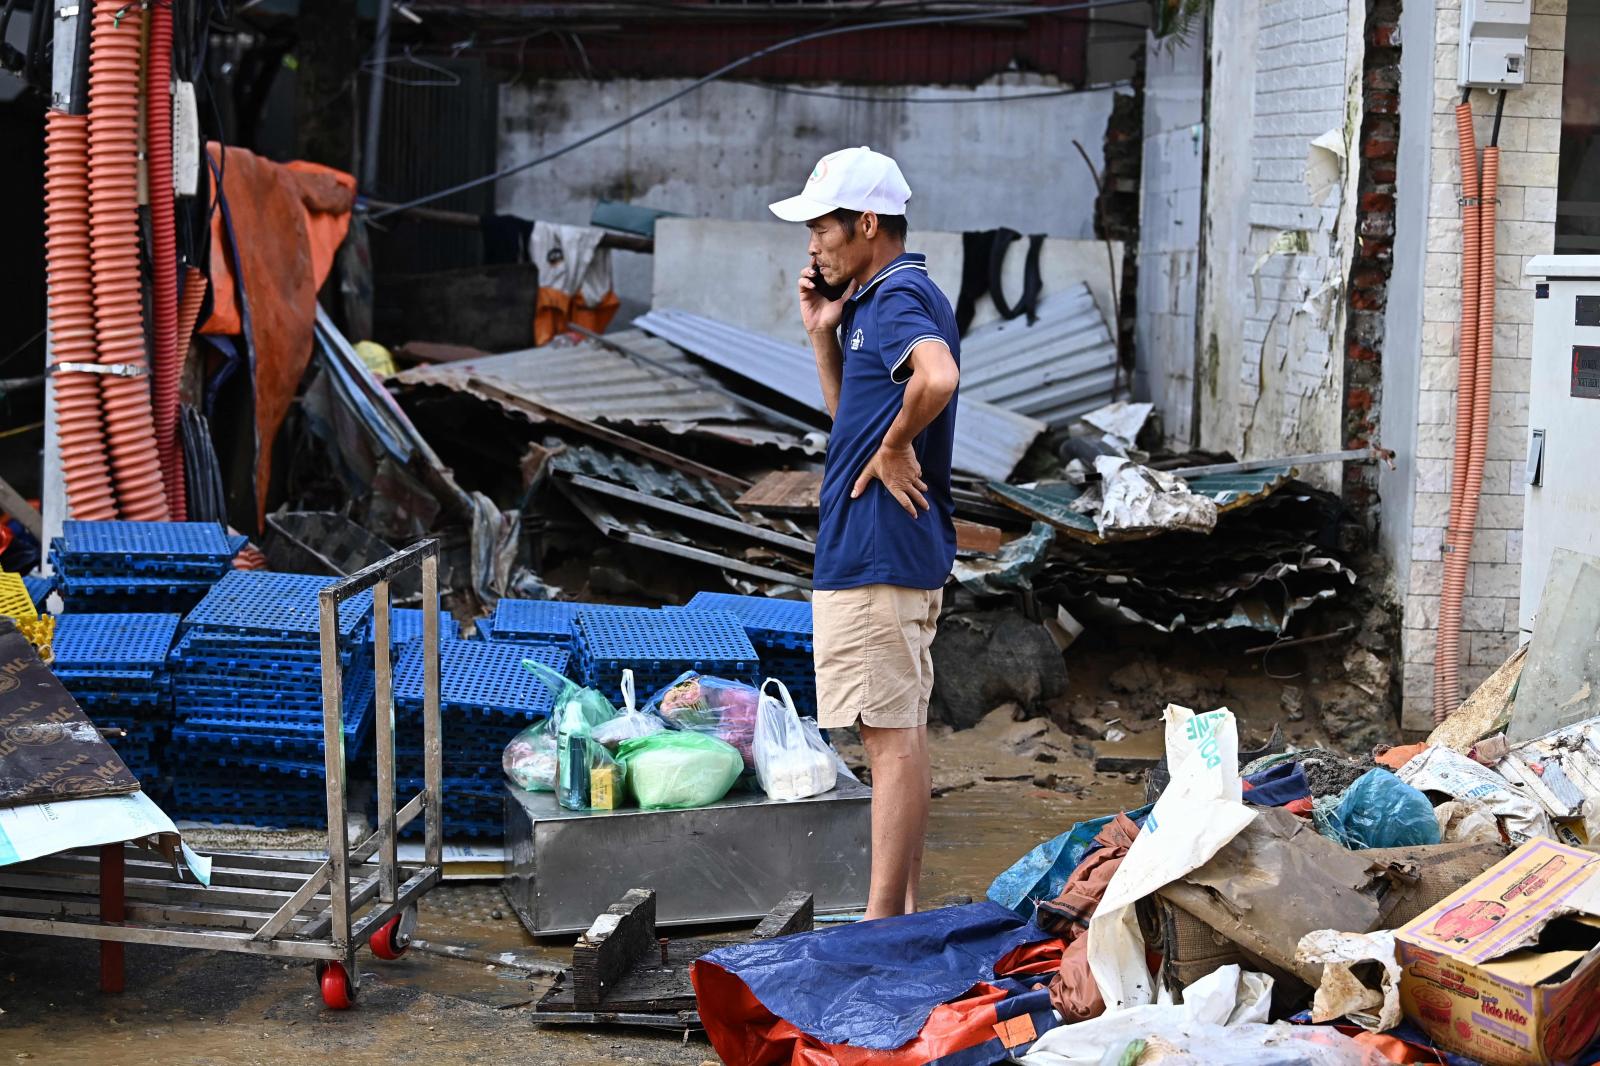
(733, 860)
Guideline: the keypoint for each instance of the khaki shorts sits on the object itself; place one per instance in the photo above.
(874, 655)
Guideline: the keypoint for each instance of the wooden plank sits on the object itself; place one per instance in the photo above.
(798, 493)
(617, 940)
(976, 537)
(784, 492)
(795, 913)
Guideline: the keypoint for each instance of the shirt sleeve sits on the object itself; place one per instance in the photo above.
(904, 321)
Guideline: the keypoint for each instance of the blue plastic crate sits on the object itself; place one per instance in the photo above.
(111, 640)
(779, 623)
(686, 636)
(485, 675)
(551, 620)
(168, 539)
(271, 603)
(39, 588)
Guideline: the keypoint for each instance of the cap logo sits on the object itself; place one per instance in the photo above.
(819, 173)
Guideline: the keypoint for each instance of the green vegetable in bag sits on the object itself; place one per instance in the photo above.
(680, 769)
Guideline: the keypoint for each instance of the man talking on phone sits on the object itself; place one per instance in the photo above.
(888, 354)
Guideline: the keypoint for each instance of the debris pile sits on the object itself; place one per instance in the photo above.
(1302, 906)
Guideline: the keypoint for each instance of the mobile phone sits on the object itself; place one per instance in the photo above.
(827, 291)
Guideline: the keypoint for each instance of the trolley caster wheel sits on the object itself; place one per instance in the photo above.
(390, 943)
(337, 993)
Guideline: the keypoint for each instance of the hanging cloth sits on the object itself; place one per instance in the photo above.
(574, 280)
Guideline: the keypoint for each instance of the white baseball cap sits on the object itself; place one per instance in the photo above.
(857, 179)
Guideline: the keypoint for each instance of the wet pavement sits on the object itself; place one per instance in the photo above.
(187, 1007)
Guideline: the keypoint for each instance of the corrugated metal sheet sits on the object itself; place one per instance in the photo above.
(990, 440)
(598, 383)
(1062, 366)
(1051, 501)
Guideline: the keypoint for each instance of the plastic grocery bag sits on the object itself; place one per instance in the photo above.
(588, 778)
(1197, 814)
(680, 768)
(1382, 811)
(630, 724)
(792, 760)
(530, 759)
(713, 706)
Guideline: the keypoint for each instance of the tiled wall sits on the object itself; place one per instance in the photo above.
(1530, 135)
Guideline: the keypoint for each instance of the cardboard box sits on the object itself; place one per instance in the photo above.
(1506, 969)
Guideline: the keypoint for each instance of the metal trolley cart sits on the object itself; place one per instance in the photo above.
(288, 908)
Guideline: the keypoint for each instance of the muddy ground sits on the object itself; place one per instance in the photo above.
(1001, 787)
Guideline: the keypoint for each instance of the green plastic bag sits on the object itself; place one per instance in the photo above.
(680, 769)
(587, 777)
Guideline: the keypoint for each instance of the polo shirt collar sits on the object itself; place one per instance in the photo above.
(904, 261)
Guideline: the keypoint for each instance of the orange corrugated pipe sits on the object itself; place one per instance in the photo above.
(194, 294)
(114, 256)
(71, 308)
(1447, 647)
(1463, 525)
(164, 253)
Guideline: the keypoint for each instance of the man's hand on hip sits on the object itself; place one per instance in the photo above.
(901, 474)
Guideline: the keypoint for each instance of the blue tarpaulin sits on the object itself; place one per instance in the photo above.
(1043, 872)
(873, 984)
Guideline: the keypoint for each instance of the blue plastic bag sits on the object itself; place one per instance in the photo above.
(1382, 811)
(1042, 873)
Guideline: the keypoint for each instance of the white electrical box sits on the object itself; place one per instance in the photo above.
(1494, 43)
(1561, 476)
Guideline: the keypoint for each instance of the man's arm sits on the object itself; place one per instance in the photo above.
(830, 366)
(934, 377)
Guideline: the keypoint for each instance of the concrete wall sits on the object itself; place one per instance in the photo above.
(1169, 230)
(1530, 140)
(731, 148)
(1284, 72)
(758, 265)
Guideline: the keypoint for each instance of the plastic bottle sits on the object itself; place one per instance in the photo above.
(572, 741)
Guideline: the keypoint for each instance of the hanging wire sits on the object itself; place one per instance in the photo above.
(730, 67)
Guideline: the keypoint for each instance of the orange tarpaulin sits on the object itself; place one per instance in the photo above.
(288, 222)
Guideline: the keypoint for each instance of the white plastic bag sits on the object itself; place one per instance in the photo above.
(631, 724)
(1197, 814)
(792, 760)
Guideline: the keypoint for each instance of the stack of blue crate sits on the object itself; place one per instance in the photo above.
(116, 567)
(486, 697)
(782, 635)
(115, 666)
(247, 696)
(660, 646)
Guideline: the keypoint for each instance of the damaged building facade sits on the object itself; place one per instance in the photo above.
(1316, 235)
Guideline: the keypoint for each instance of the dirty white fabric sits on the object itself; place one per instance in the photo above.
(1220, 1020)
(570, 258)
(1120, 422)
(1341, 993)
(1135, 498)
(1439, 769)
(1199, 812)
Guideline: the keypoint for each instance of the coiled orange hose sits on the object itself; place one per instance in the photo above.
(164, 253)
(71, 307)
(1447, 647)
(114, 256)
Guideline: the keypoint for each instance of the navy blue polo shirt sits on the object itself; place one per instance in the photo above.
(872, 540)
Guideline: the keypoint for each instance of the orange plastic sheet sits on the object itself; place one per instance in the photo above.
(288, 222)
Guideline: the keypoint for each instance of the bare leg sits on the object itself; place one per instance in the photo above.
(900, 793)
(914, 880)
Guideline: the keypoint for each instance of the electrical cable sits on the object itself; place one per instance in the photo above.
(1043, 94)
(728, 68)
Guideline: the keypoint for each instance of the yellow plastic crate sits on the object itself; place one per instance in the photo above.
(14, 599)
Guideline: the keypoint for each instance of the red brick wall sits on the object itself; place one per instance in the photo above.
(1374, 257)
